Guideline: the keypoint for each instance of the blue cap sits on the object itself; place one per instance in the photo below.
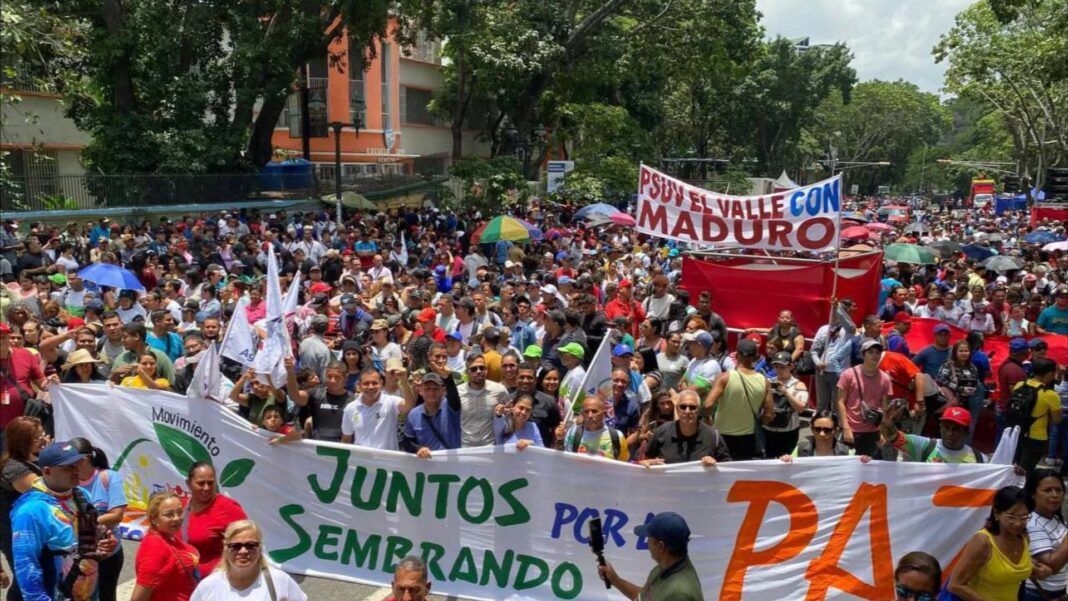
(1017, 345)
(622, 349)
(59, 454)
(667, 527)
(457, 336)
(560, 256)
(439, 269)
(1037, 342)
(562, 280)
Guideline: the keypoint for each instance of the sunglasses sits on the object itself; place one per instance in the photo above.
(477, 368)
(688, 407)
(822, 430)
(904, 592)
(236, 547)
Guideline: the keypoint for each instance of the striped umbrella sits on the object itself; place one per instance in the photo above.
(506, 228)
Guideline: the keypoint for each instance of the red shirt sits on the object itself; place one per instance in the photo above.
(630, 309)
(168, 566)
(18, 371)
(206, 528)
(1010, 374)
(902, 372)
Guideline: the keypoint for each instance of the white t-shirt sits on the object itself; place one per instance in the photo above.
(1046, 534)
(707, 368)
(216, 587)
(373, 426)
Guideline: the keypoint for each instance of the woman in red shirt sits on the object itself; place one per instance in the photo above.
(167, 568)
(209, 515)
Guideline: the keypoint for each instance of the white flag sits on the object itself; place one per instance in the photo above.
(402, 257)
(207, 378)
(271, 358)
(596, 379)
(289, 302)
(240, 340)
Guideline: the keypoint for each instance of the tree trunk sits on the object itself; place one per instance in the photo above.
(115, 23)
(260, 147)
(463, 97)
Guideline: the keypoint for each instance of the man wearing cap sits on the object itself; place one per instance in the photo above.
(479, 397)
(624, 306)
(314, 352)
(622, 358)
(571, 355)
(863, 393)
(954, 426)
(744, 402)
(702, 364)
(674, 576)
(895, 340)
(1047, 411)
(47, 522)
(931, 358)
(1010, 373)
(1054, 318)
(352, 318)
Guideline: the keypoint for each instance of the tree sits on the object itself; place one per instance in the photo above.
(1014, 61)
(199, 86)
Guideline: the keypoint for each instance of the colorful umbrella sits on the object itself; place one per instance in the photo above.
(506, 228)
(622, 219)
(112, 276)
(856, 232)
(878, 226)
(910, 253)
(597, 208)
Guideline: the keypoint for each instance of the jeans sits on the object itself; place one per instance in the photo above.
(999, 421)
(975, 407)
(827, 391)
(1058, 441)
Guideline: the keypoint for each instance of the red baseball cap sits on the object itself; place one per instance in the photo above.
(75, 322)
(902, 317)
(427, 314)
(958, 415)
(318, 287)
(4, 328)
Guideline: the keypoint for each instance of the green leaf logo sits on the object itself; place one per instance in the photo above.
(235, 472)
(182, 449)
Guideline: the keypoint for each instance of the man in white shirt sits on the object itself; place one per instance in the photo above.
(371, 420)
(659, 303)
(379, 272)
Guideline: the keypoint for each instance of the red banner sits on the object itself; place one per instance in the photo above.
(1056, 214)
(749, 292)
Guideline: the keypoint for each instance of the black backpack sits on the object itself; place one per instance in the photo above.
(1021, 406)
(612, 432)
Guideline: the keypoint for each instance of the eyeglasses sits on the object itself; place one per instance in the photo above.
(252, 547)
(1016, 518)
(477, 368)
(688, 407)
(904, 592)
(822, 430)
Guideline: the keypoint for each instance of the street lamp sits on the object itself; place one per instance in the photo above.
(337, 126)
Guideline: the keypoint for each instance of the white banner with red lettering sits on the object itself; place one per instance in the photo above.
(802, 219)
(494, 523)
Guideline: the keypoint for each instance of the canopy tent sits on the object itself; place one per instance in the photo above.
(1010, 203)
(784, 183)
(741, 295)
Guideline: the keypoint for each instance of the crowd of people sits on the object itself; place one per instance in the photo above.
(411, 335)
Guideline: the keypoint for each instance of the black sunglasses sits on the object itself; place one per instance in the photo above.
(818, 430)
(904, 592)
(236, 547)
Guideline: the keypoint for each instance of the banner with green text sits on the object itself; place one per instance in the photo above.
(494, 523)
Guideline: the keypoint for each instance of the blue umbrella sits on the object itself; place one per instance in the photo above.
(979, 253)
(112, 276)
(1042, 237)
(597, 208)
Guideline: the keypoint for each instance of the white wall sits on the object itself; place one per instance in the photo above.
(40, 121)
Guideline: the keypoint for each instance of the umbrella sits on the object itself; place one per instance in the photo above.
(856, 232)
(856, 249)
(1001, 263)
(879, 227)
(622, 219)
(1062, 245)
(597, 208)
(352, 200)
(910, 253)
(917, 228)
(979, 253)
(1042, 237)
(945, 248)
(506, 228)
(993, 236)
(854, 216)
(112, 276)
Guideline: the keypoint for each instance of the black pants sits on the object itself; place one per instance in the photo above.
(108, 580)
(1030, 452)
(777, 444)
(742, 448)
(13, 592)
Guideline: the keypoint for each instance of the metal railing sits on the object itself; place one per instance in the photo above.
(72, 192)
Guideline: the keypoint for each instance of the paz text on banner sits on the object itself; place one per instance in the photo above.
(494, 523)
(802, 219)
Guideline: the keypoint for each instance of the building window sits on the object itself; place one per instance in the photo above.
(425, 49)
(387, 118)
(356, 88)
(415, 106)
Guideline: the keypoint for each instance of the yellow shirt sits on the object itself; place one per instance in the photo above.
(137, 382)
(1048, 403)
(999, 578)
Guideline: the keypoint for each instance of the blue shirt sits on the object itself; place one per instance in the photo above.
(106, 498)
(172, 346)
(529, 431)
(36, 526)
(1053, 319)
(930, 360)
(626, 415)
(417, 428)
(884, 289)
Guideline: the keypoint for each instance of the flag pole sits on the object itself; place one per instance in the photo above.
(837, 251)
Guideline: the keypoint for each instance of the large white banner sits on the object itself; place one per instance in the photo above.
(494, 523)
(802, 219)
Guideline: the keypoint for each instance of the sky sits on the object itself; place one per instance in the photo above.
(890, 39)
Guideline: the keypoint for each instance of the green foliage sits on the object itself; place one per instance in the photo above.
(489, 183)
(611, 179)
(59, 202)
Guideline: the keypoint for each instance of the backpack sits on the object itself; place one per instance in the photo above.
(612, 432)
(1021, 405)
(929, 450)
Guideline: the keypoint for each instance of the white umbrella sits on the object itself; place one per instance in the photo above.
(1052, 246)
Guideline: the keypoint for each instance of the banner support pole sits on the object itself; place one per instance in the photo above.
(837, 255)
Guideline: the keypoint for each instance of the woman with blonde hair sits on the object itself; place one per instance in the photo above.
(168, 568)
(243, 572)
